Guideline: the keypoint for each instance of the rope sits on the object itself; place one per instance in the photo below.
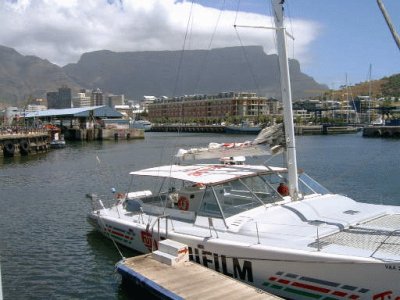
(110, 236)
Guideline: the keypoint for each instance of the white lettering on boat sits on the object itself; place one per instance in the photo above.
(229, 266)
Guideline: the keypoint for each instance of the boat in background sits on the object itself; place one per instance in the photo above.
(56, 138)
(243, 128)
(57, 141)
(141, 124)
(298, 242)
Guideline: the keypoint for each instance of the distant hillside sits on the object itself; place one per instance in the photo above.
(200, 71)
(22, 77)
(385, 87)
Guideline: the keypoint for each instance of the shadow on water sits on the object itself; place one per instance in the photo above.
(106, 252)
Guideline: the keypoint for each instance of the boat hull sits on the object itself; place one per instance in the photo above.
(242, 129)
(284, 272)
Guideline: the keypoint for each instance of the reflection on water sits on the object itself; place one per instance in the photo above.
(47, 248)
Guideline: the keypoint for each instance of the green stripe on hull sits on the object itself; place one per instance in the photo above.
(302, 293)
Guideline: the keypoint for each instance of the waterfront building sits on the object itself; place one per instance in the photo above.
(125, 110)
(81, 99)
(35, 107)
(52, 99)
(115, 100)
(148, 100)
(229, 106)
(96, 98)
(10, 114)
(60, 99)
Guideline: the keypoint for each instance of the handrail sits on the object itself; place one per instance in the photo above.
(158, 229)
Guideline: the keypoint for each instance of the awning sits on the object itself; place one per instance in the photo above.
(206, 173)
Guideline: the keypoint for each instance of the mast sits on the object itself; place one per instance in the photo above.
(389, 23)
(369, 95)
(291, 159)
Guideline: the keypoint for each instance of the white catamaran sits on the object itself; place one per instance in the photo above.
(305, 243)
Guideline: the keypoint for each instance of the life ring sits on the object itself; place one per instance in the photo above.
(183, 203)
(24, 147)
(120, 196)
(9, 149)
(199, 185)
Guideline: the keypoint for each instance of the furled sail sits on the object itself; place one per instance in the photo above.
(272, 136)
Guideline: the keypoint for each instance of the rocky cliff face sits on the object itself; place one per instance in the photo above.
(173, 73)
(22, 77)
(158, 73)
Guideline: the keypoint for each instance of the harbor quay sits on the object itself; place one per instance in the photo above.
(23, 141)
(188, 128)
(299, 129)
(382, 131)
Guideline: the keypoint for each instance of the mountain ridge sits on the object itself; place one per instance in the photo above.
(158, 73)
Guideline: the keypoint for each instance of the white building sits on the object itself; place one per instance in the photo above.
(81, 100)
(115, 100)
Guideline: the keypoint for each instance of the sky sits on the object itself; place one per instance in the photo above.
(333, 39)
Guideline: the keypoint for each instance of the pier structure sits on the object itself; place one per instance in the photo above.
(88, 123)
(299, 129)
(382, 131)
(23, 141)
(167, 273)
(188, 128)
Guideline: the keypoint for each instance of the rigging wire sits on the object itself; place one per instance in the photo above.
(237, 12)
(205, 60)
(253, 76)
(289, 16)
(183, 50)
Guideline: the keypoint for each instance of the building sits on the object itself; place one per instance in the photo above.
(11, 114)
(60, 99)
(81, 99)
(115, 100)
(230, 106)
(34, 107)
(96, 98)
(148, 100)
(52, 99)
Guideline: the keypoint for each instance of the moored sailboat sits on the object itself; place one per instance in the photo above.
(307, 243)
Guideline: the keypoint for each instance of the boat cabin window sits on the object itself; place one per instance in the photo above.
(236, 196)
(308, 186)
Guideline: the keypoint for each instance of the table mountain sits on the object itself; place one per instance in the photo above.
(23, 77)
(158, 73)
(175, 73)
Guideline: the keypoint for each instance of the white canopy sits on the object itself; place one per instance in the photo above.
(205, 173)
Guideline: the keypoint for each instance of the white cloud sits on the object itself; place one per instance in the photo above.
(61, 31)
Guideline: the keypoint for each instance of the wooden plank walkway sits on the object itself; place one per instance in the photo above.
(186, 280)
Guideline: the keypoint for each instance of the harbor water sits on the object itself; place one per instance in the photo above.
(49, 251)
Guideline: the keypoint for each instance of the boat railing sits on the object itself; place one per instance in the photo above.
(157, 221)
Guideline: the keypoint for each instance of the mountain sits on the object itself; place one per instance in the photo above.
(175, 73)
(23, 77)
(157, 73)
(386, 87)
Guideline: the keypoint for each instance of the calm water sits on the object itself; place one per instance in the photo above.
(47, 249)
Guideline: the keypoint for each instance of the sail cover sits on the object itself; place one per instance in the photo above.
(216, 150)
(271, 136)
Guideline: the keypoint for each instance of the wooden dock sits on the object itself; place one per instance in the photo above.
(186, 280)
